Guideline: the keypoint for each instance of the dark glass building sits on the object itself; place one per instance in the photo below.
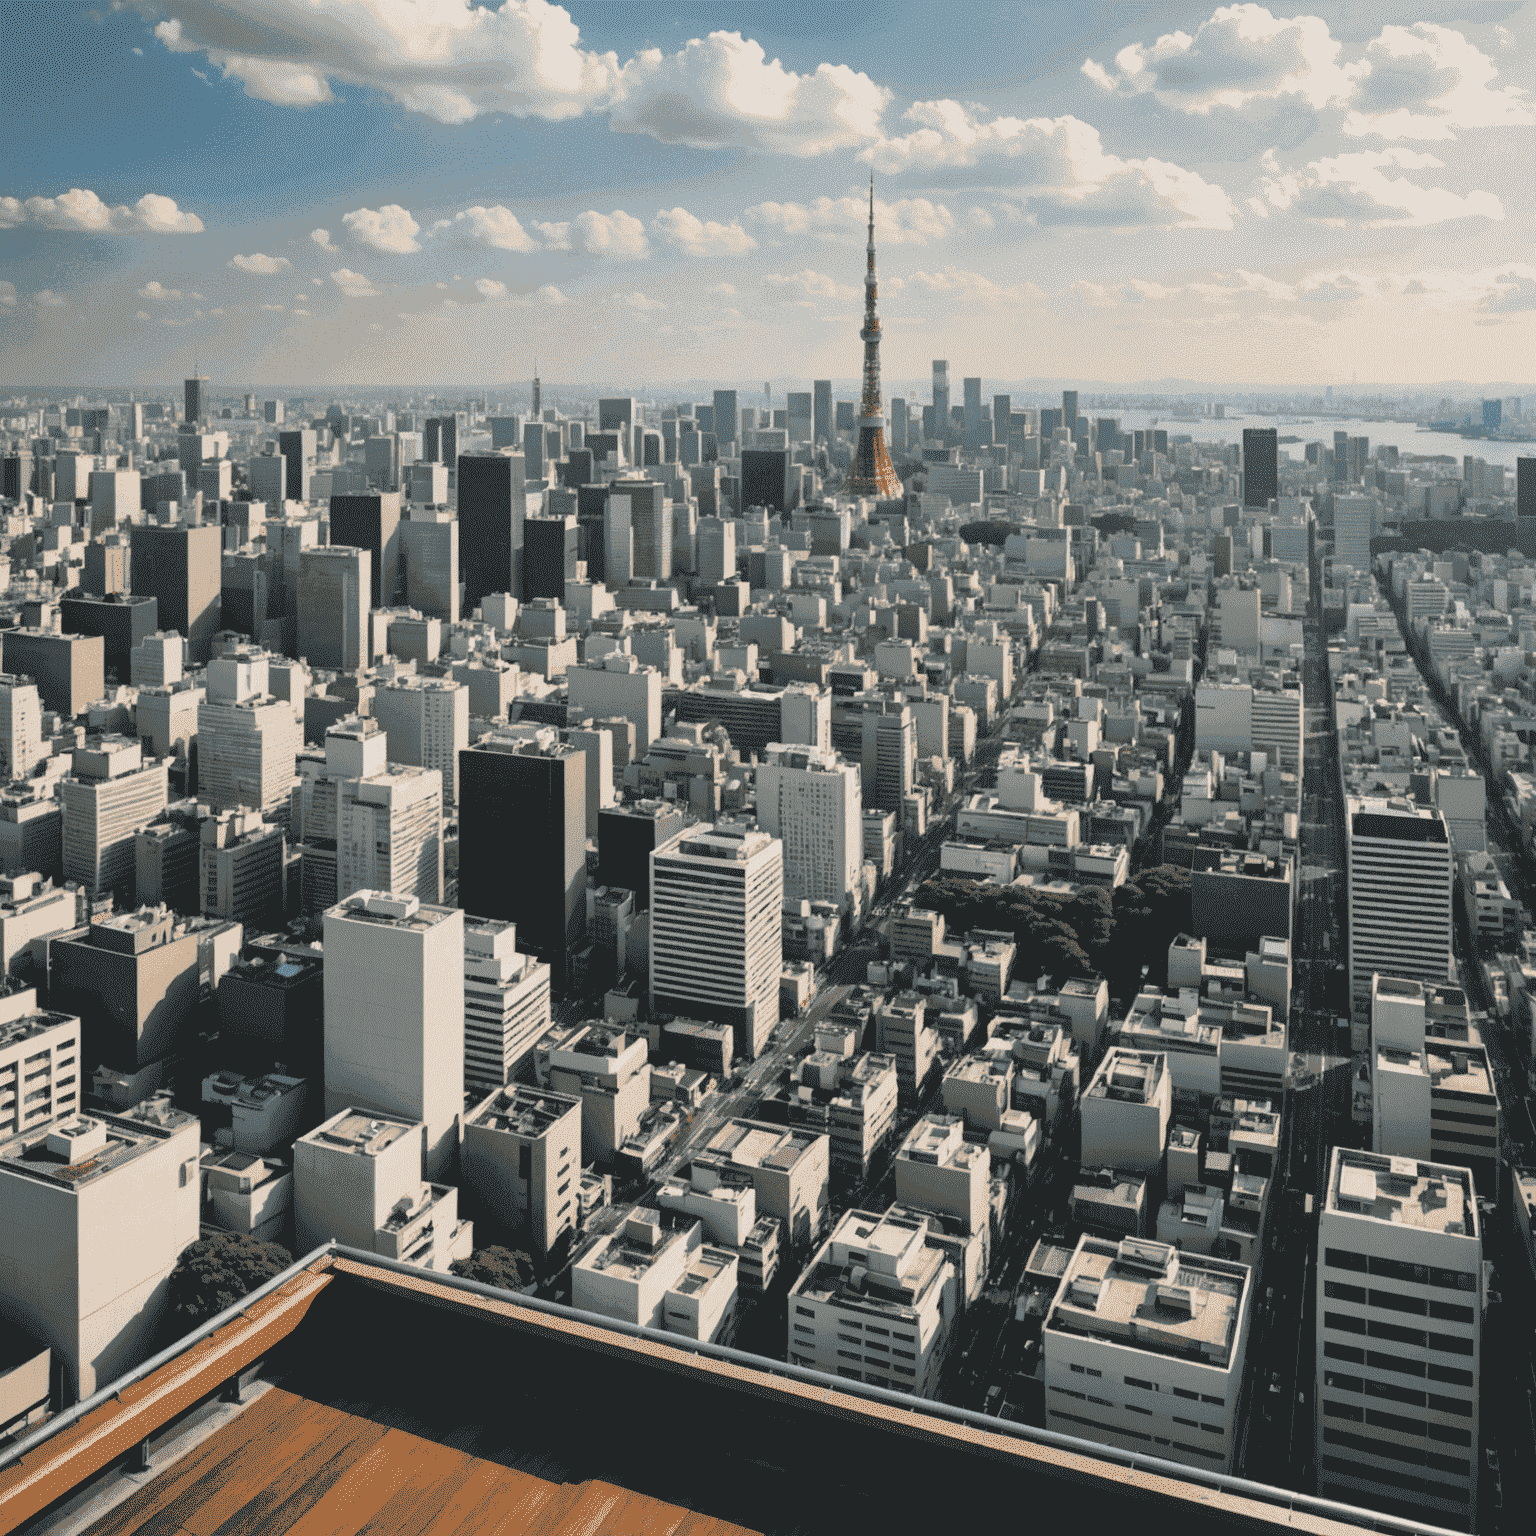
(492, 509)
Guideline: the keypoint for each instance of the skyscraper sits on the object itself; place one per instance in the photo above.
(334, 584)
(809, 798)
(429, 550)
(940, 398)
(372, 523)
(492, 508)
(1525, 487)
(821, 410)
(522, 841)
(298, 448)
(394, 1015)
(536, 394)
(440, 441)
(195, 404)
(727, 419)
(1341, 457)
(889, 743)
(247, 741)
(21, 727)
(717, 930)
(1400, 874)
(872, 473)
(1069, 411)
(1261, 466)
(427, 722)
(179, 565)
(549, 556)
(971, 440)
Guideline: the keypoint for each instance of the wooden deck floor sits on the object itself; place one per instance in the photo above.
(292, 1466)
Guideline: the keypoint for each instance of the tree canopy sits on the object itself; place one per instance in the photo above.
(215, 1272)
(1091, 932)
(498, 1266)
(987, 531)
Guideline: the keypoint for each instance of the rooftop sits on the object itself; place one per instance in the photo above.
(390, 911)
(1150, 1296)
(83, 1148)
(522, 1111)
(359, 1132)
(1433, 1196)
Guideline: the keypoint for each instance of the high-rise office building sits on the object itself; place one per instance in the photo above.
(298, 449)
(810, 799)
(889, 740)
(1525, 487)
(801, 415)
(1002, 418)
(1400, 877)
(267, 475)
(1396, 1402)
(1069, 411)
(971, 440)
(273, 412)
(394, 1015)
(492, 509)
(550, 547)
(21, 727)
(821, 410)
(940, 397)
(334, 587)
(1341, 458)
(389, 833)
(522, 1157)
(1261, 466)
(627, 836)
(642, 507)
(717, 930)
(900, 426)
(765, 478)
(109, 796)
(506, 432)
(195, 405)
(506, 1005)
(717, 549)
(247, 742)
(522, 841)
(372, 523)
(1354, 522)
(727, 419)
(429, 550)
(440, 440)
(426, 720)
(180, 567)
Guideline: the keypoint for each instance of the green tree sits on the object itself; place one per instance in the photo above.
(498, 1266)
(216, 1272)
(987, 532)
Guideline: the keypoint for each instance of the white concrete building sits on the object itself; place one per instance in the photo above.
(876, 1304)
(938, 1170)
(1125, 1112)
(394, 1015)
(618, 685)
(522, 1158)
(357, 1179)
(1144, 1349)
(717, 930)
(811, 800)
(94, 1212)
(1400, 1299)
(426, 721)
(40, 1068)
(1400, 877)
(506, 1003)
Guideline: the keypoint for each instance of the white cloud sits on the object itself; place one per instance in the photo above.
(354, 284)
(322, 238)
(908, 221)
(143, 314)
(1428, 82)
(699, 237)
(85, 212)
(800, 288)
(617, 234)
(317, 282)
(303, 312)
(454, 60)
(276, 309)
(1241, 53)
(489, 288)
(447, 59)
(724, 91)
(48, 299)
(1057, 169)
(1356, 188)
(259, 265)
(390, 229)
(495, 226)
(973, 287)
(7, 295)
(552, 296)
(639, 301)
(724, 290)
(154, 289)
(1334, 287)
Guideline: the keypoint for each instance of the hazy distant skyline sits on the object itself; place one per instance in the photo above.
(367, 191)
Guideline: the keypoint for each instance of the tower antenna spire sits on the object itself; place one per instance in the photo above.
(872, 473)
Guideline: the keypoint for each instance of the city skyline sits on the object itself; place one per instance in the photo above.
(442, 192)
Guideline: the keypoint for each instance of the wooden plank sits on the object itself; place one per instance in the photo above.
(276, 1504)
(219, 1448)
(492, 1498)
(366, 1487)
(422, 1495)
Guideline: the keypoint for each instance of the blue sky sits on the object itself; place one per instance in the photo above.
(370, 191)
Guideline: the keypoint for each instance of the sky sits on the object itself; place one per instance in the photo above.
(297, 192)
